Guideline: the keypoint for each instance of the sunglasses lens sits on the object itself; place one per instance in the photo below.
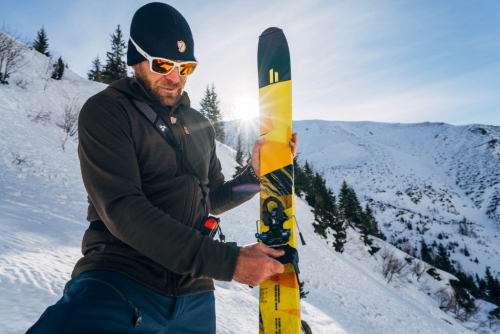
(161, 66)
(187, 68)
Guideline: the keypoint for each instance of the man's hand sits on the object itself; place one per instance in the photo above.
(256, 151)
(254, 264)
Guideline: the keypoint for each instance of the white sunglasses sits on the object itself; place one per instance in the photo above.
(164, 66)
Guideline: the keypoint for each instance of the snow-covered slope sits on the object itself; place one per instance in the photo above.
(420, 179)
(42, 220)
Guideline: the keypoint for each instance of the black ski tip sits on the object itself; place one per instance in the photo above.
(273, 55)
(270, 31)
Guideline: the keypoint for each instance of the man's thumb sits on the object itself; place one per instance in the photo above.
(259, 142)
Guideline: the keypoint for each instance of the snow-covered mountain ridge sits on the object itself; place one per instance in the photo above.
(421, 179)
(42, 221)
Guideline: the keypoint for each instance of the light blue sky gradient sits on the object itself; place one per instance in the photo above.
(387, 61)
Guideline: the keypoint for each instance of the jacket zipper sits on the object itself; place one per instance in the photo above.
(178, 136)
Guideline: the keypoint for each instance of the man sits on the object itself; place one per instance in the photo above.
(146, 266)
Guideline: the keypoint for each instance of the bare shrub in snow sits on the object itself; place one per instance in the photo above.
(405, 246)
(21, 82)
(46, 74)
(18, 159)
(69, 123)
(445, 299)
(419, 269)
(12, 54)
(425, 288)
(494, 319)
(456, 301)
(392, 265)
(385, 253)
(41, 117)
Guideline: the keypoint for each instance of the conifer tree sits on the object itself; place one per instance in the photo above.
(442, 259)
(354, 209)
(302, 292)
(350, 208)
(343, 200)
(209, 107)
(115, 67)
(307, 184)
(41, 42)
(425, 253)
(298, 178)
(371, 224)
(463, 298)
(320, 202)
(308, 171)
(335, 223)
(467, 281)
(95, 72)
(313, 185)
(58, 70)
(205, 103)
(369, 227)
(492, 287)
(481, 284)
(325, 212)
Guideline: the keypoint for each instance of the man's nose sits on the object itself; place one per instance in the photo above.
(174, 76)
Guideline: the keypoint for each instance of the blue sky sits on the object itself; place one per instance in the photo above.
(384, 61)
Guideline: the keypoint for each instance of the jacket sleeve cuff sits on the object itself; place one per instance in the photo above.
(252, 172)
(219, 262)
(248, 176)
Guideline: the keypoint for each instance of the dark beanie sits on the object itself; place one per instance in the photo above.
(161, 31)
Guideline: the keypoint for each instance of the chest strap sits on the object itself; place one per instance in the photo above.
(166, 133)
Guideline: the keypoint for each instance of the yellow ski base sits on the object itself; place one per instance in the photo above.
(279, 296)
(279, 304)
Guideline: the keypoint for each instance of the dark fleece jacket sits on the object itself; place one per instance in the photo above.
(143, 191)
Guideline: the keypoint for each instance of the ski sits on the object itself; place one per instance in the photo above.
(279, 311)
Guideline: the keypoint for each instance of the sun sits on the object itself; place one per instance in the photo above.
(244, 107)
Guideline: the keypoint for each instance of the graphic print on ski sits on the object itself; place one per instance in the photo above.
(279, 311)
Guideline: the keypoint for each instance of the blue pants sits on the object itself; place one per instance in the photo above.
(108, 302)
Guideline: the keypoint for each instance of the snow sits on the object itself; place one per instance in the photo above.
(42, 220)
(429, 174)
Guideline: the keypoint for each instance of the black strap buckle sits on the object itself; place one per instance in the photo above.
(211, 226)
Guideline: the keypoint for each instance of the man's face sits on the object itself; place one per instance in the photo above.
(166, 89)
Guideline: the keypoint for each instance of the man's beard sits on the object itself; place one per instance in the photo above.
(166, 99)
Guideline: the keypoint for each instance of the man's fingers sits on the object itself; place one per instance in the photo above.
(272, 252)
(294, 148)
(277, 267)
(256, 147)
(294, 143)
(258, 144)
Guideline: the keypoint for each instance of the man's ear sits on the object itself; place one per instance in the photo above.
(135, 68)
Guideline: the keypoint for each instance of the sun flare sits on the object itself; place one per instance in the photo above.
(245, 107)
